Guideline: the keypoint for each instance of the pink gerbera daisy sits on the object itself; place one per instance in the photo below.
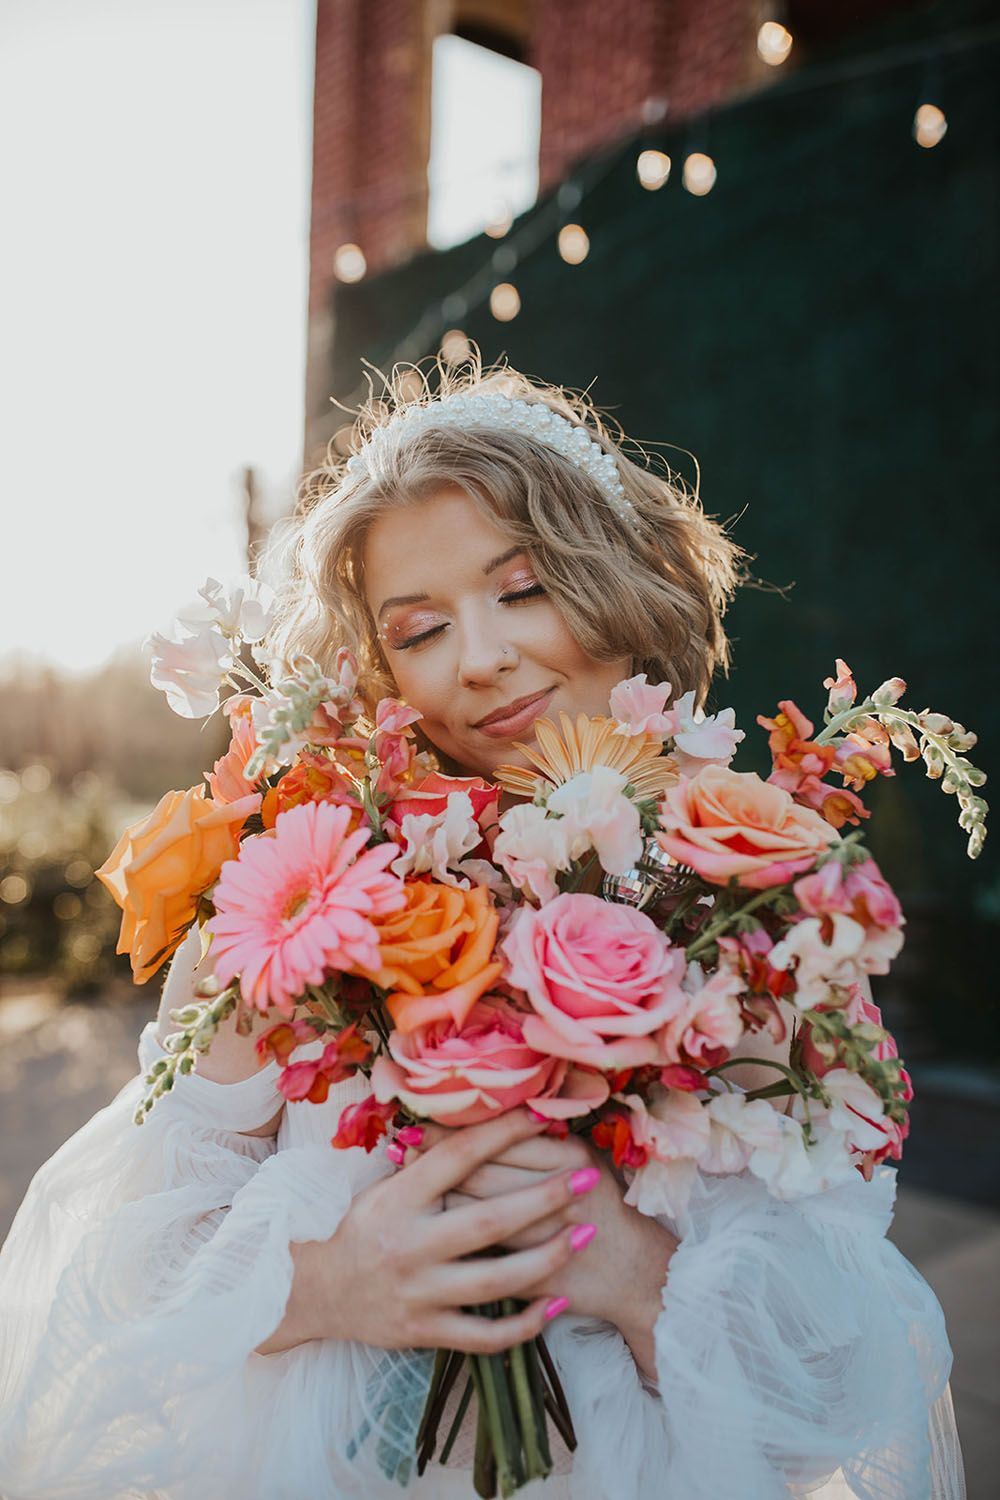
(293, 908)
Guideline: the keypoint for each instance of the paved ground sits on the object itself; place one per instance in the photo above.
(57, 1066)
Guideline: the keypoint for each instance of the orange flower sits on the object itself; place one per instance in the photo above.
(436, 953)
(159, 868)
(226, 781)
(313, 778)
(582, 746)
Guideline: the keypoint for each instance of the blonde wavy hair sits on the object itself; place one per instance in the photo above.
(655, 590)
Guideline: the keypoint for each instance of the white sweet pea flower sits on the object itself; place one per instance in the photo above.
(795, 1169)
(531, 847)
(675, 1128)
(701, 740)
(856, 1111)
(738, 1129)
(818, 964)
(599, 816)
(437, 843)
(190, 667)
(244, 610)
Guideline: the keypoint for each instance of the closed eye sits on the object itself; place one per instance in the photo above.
(534, 592)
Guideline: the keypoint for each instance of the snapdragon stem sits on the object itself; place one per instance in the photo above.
(715, 929)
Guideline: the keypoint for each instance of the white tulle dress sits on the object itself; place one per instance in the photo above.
(798, 1353)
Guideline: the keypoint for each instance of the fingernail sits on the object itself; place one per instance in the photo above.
(410, 1135)
(582, 1236)
(555, 1307)
(396, 1153)
(542, 1119)
(584, 1180)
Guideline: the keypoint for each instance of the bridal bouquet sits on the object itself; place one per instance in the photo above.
(599, 951)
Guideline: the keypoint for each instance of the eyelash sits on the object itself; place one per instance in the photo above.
(534, 592)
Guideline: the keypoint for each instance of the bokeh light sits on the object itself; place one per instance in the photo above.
(653, 169)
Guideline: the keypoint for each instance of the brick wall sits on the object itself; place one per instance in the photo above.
(600, 60)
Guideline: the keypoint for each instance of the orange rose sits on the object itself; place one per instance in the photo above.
(731, 825)
(437, 953)
(160, 867)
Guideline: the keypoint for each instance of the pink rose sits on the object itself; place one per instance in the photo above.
(601, 979)
(463, 1076)
(730, 825)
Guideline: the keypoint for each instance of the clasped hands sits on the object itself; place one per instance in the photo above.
(412, 1253)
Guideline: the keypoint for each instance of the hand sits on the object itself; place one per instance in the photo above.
(394, 1275)
(620, 1279)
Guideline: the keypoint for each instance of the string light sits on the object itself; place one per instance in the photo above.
(929, 125)
(653, 169)
(699, 173)
(454, 347)
(774, 42)
(574, 244)
(505, 302)
(349, 263)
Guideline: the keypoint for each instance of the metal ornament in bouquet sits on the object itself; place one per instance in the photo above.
(608, 949)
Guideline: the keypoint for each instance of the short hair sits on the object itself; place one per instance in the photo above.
(653, 587)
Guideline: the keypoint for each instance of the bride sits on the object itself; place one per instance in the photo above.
(219, 1305)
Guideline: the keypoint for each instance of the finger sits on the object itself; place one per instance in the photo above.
(492, 1181)
(450, 1161)
(492, 1221)
(533, 1234)
(473, 1335)
(492, 1278)
(546, 1153)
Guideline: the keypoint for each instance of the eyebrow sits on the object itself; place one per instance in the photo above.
(491, 567)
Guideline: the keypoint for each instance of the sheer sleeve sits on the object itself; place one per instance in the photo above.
(145, 1266)
(799, 1353)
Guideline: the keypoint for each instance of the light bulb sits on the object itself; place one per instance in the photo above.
(653, 169)
(929, 125)
(454, 346)
(774, 42)
(574, 244)
(505, 302)
(699, 173)
(349, 263)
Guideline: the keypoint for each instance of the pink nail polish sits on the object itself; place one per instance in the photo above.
(582, 1236)
(410, 1135)
(396, 1153)
(555, 1307)
(584, 1181)
(541, 1119)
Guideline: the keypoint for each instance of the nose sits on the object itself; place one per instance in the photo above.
(484, 655)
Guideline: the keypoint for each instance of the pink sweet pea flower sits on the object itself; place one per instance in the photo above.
(394, 744)
(462, 1076)
(701, 740)
(639, 708)
(705, 1032)
(863, 894)
(600, 978)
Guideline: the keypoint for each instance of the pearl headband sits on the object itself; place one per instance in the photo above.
(533, 418)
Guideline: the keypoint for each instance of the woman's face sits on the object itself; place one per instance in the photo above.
(469, 634)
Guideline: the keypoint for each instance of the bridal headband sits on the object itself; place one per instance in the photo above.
(533, 418)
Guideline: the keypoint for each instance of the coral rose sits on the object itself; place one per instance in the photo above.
(729, 825)
(600, 978)
(463, 1075)
(436, 954)
(159, 868)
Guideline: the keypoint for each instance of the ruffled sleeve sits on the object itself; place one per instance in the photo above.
(799, 1353)
(145, 1266)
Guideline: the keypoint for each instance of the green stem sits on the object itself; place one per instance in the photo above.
(484, 1471)
(500, 1434)
(453, 1431)
(529, 1417)
(716, 928)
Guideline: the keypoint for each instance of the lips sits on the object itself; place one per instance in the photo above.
(514, 718)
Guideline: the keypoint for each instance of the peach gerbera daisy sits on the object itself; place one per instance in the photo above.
(297, 906)
(582, 746)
